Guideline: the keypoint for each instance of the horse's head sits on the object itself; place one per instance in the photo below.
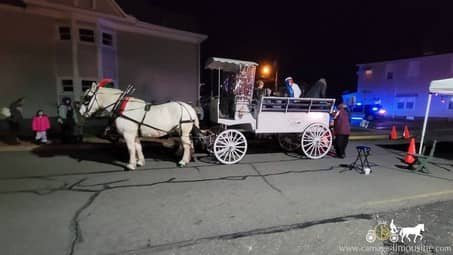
(422, 227)
(91, 101)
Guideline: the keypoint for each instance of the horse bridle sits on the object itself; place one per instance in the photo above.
(87, 100)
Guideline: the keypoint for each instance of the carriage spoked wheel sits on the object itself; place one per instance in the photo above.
(316, 141)
(289, 142)
(230, 146)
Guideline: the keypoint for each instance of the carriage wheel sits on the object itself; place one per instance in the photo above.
(316, 141)
(230, 147)
(289, 142)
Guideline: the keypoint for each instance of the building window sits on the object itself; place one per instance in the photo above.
(86, 35)
(65, 33)
(409, 105)
(414, 69)
(86, 84)
(107, 39)
(368, 73)
(400, 105)
(67, 85)
(389, 75)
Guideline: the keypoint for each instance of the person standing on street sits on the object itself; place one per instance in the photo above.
(342, 131)
(66, 120)
(79, 122)
(15, 119)
(40, 125)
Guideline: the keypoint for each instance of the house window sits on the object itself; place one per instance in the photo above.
(86, 84)
(65, 33)
(67, 85)
(107, 39)
(86, 35)
(400, 105)
(389, 75)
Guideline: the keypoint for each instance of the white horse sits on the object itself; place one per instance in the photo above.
(416, 231)
(136, 120)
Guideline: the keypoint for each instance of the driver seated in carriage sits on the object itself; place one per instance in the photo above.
(227, 96)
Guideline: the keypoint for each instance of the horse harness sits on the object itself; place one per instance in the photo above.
(119, 112)
(119, 107)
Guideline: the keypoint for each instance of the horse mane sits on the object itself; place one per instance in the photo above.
(113, 91)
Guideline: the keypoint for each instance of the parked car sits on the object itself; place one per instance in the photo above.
(368, 112)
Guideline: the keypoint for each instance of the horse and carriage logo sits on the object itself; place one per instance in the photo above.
(383, 231)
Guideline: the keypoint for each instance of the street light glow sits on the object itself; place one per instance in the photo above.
(266, 70)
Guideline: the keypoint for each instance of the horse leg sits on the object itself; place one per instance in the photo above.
(192, 152)
(185, 141)
(130, 142)
(139, 150)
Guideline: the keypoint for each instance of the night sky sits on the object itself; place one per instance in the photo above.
(309, 40)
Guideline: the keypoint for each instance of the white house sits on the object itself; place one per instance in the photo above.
(56, 48)
(401, 86)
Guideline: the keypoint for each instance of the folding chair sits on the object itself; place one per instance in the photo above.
(362, 156)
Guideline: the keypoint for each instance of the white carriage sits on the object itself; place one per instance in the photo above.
(298, 122)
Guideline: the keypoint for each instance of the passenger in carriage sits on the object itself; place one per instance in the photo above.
(318, 90)
(260, 91)
(292, 89)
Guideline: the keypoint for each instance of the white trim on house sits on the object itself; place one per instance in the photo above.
(75, 58)
(123, 22)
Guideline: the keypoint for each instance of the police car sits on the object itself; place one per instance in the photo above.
(368, 112)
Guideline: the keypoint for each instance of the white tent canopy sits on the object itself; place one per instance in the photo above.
(443, 87)
(226, 64)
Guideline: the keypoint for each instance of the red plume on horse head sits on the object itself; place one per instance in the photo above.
(104, 82)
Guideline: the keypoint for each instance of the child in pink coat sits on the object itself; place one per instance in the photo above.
(40, 125)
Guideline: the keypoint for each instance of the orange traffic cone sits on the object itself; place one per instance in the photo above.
(406, 134)
(410, 159)
(393, 133)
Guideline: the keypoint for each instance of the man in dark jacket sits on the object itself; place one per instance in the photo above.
(342, 130)
(15, 119)
(66, 120)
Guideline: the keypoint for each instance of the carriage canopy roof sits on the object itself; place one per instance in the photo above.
(228, 65)
(444, 87)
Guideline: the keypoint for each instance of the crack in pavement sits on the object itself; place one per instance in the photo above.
(78, 186)
(75, 225)
(266, 180)
(243, 234)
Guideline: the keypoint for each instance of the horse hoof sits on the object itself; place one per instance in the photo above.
(130, 167)
(141, 163)
(182, 164)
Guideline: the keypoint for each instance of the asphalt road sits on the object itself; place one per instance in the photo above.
(83, 202)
